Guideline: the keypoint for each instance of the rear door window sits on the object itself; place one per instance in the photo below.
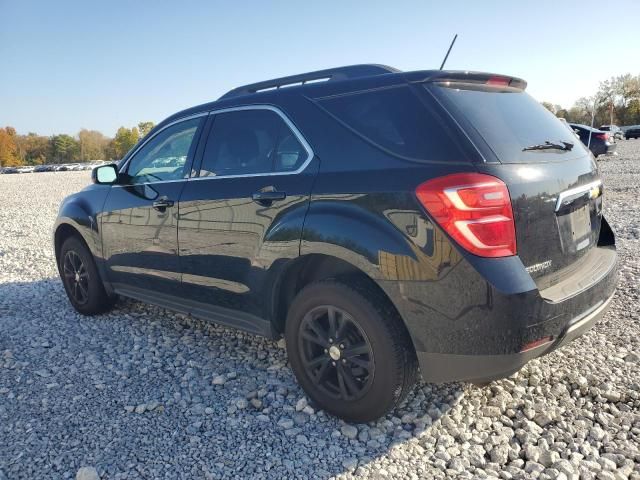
(251, 142)
(396, 120)
(508, 120)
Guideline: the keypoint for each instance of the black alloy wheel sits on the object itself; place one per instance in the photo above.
(80, 278)
(76, 277)
(349, 349)
(336, 353)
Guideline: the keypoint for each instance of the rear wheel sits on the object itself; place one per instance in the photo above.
(349, 351)
(81, 280)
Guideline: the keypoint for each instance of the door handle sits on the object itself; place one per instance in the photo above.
(266, 197)
(162, 204)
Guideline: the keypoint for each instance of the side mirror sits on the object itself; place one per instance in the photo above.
(105, 174)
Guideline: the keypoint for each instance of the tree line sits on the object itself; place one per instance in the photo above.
(617, 101)
(86, 145)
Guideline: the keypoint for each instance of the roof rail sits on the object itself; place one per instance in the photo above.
(330, 74)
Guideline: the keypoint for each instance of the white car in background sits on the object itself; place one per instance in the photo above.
(614, 131)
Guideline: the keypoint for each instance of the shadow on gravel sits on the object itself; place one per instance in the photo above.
(145, 393)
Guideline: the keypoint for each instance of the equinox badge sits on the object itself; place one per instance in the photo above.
(538, 267)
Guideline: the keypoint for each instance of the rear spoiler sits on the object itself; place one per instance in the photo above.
(477, 79)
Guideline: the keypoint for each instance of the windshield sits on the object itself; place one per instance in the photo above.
(509, 120)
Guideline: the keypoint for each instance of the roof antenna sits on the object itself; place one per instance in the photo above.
(448, 52)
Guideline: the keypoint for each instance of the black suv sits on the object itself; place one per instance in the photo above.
(380, 220)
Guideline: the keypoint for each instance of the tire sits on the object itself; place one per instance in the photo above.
(85, 290)
(369, 333)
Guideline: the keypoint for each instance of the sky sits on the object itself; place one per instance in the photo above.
(67, 65)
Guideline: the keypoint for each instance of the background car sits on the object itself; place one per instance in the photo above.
(615, 132)
(599, 143)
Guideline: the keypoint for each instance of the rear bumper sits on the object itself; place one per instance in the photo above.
(603, 148)
(485, 318)
(442, 367)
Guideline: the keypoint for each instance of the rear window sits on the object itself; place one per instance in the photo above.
(508, 120)
(396, 120)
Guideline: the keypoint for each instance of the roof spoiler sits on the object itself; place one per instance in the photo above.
(475, 78)
(331, 74)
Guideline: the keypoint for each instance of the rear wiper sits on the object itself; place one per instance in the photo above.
(550, 146)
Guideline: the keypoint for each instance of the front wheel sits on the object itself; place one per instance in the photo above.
(81, 280)
(349, 350)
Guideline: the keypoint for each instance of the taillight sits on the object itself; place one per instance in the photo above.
(602, 136)
(475, 209)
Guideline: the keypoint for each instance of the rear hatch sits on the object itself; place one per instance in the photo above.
(555, 189)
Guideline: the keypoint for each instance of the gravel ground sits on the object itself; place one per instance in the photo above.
(145, 393)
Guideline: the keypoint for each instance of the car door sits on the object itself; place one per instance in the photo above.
(241, 218)
(139, 220)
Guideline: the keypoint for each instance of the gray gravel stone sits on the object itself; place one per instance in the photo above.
(500, 454)
(87, 473)
(349, 431)
(549, 457)
(350, 463)
(301, 404)
(285, 423)
(543, 419)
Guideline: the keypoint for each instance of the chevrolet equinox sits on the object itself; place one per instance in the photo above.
(384, 222)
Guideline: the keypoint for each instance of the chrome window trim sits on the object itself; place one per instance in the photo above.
(289, 124)
(280, 113)
(150, 183)
(577, 191)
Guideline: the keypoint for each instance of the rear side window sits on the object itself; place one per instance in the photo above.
(396, 120)
(508, 120)
(249, 142)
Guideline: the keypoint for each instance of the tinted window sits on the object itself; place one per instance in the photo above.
(247, 142)
(164, 156)
(508, 120)
(396, 120)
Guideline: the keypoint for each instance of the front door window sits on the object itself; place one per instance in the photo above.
(164, 157)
